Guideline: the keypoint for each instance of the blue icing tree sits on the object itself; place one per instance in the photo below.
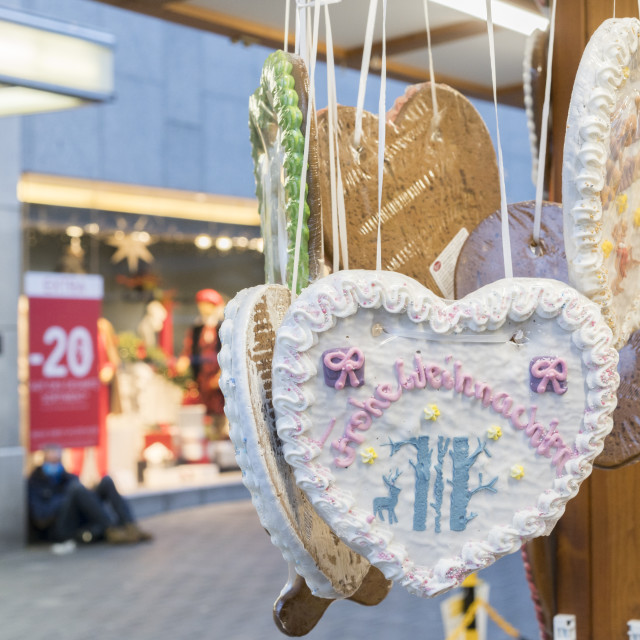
(438, 485)
(422, 469)
(460, 493)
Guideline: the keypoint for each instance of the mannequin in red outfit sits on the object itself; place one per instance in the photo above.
(200, 351)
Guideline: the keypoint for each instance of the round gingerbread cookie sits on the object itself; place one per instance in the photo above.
(436, 182)
(277, 123)
(330, 568)
(601, 176)
(436, 436)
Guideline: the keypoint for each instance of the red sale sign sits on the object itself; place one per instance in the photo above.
(63, 369)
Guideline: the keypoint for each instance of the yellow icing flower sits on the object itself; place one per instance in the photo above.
(621, 203)
(625, 73)
(517, 471)
(431, 412)
(494, 432)
(636, 217)
(607, 247)
(369, 455)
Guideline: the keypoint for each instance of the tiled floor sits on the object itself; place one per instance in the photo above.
(211, 573)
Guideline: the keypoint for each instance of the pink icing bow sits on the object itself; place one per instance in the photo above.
(548, 371)
(347, 363)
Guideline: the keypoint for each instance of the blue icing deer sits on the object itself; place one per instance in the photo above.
(389, 503)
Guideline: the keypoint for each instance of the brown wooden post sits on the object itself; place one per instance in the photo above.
(591, 567)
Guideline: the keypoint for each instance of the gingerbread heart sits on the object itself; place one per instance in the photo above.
(330, 568)
(453, 431)
(601, 176)
(277, 122)
(435, 182)
(480, 262)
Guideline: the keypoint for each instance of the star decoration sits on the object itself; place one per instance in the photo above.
(607, 246)
(494, 432)
(369, 455)
(132, 247)
(431, 412)
(517, 471)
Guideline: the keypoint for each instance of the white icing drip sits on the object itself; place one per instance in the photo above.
(600, 75)
(343, 294)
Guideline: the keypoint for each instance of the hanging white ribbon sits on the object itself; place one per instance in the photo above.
(506, 242)
(434, 101)
(382, 128)
(305, 156)
(287, 8)
(364, 70)
(338, 214)
(542, 151)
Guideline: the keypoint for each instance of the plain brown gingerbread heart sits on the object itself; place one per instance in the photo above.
(480, 262)
(433, 185)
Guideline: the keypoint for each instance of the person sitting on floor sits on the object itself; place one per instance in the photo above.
(61, 508)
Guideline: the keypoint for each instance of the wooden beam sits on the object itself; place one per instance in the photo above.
(418, 40)
(249, 32)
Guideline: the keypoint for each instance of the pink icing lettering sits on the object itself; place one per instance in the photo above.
(463, 381)
(484, 392)
(515, 417)
(342, 446)
(405, 382)
(447, 380)
(386, 392)
(347, 363)
(434, 376)
(502, 403)
(561, 458)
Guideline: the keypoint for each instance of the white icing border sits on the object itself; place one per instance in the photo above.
(586, 149)
(255, 475)
(341, 295)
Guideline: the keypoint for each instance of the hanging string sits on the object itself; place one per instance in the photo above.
(434, 101)
(305, 156)
(506, 243)
(542, 152)
(300, 45)
(382, 128)
(287, 6)
(364, 69)
(331, 141)
(338, 213)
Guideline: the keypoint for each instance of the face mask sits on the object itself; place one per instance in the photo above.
(53, 469)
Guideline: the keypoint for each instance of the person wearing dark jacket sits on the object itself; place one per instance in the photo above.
(61, 508)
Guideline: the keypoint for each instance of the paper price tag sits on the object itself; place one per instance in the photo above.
(444, 266)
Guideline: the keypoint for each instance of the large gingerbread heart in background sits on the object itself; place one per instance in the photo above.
(434, 436)
(435, 183)
(601, 176)
(480, 262)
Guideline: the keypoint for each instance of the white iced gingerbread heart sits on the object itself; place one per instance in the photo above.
(436, 436)
(330, 568)
(601, 176)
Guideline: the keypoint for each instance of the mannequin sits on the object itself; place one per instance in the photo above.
(200, 351)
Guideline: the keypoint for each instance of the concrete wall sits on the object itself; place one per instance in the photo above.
(12, 499)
